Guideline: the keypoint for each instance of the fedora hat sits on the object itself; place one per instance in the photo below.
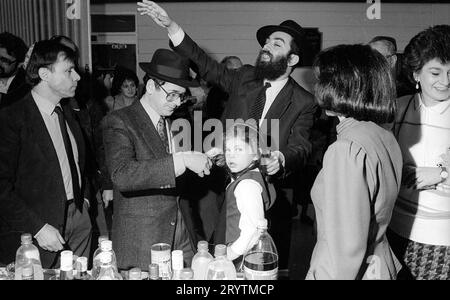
(168, 66)
(290, 27)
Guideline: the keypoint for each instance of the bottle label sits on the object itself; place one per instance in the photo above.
(260, 275)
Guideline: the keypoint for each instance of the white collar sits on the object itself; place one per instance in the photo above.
(43, 104)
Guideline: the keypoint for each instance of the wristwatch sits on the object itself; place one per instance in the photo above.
(444, 172)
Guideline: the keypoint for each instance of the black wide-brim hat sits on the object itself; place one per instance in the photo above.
(168, 66)
(290, 27)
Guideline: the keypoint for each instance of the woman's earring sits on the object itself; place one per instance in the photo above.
(417, 85)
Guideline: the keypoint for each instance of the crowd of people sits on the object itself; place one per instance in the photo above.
(370, 150)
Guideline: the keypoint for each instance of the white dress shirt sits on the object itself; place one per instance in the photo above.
(47, 110)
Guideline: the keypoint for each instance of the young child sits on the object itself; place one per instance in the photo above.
(248, 195)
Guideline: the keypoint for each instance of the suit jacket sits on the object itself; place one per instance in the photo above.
(32, 190)
(17, 90)
(354, 196)
(294, 107)
(145, 186)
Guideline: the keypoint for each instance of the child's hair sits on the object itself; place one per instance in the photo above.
(246, 133)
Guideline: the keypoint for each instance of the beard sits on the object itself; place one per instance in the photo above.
(272, 69)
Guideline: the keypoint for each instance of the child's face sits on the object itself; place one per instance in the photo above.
(238, 154)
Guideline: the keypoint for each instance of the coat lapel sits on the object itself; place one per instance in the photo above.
(281, 103)
(149, 133)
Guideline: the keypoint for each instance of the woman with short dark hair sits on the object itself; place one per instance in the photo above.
(123, 90)
(355, 192)
(421, 219)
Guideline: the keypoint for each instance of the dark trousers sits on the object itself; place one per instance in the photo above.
(182, 240)
(78, 233)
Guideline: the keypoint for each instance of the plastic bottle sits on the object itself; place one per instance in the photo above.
(261, 261)
(105, 247)
(221, 268)
(177, 264)
(26, 256)
(96, 268)
(201, 260)
(107, 270)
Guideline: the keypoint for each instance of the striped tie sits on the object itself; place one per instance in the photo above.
(258, 106)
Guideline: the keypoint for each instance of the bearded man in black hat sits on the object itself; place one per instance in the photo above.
(263, 92)
(145, 167)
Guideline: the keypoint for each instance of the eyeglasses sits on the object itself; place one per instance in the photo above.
(7, 61)
(174, 96)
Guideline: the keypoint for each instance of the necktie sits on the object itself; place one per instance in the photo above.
(258, 106)
(161, 128)
(73, 168)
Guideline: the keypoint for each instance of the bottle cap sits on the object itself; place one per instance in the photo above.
(177, 260)
(26, 238)
(186, 274)
(134, 274)
(66, 260)
(220, 250)
(106, 245)
(82, 263)
(102, 238)
(153, 271)
(105, 257)
(202, 245)
(262, 224)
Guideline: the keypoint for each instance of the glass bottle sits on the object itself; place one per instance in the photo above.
(261, 261)
(187, 274)
(153, 272)
(177, 264)
(134, 274)
(66, 268)
(221, 268)
(201, 260)
(28, 255)
(81, 267)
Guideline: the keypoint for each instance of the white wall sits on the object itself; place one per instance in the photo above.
(229, 28)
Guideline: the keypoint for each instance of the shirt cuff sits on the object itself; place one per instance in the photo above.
(39, 232)
(177, 37)
(178, 163)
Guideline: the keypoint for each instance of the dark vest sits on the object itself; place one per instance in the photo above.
(232, 214)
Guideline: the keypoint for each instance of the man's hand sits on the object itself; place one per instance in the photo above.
(50, 239)
(420, 178)
(274, 163)
(197, 162)
(107, 196)
(156, 12)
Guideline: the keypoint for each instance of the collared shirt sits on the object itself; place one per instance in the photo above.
(155, 117)
(5, 84)
(271, 93)
(47, 110)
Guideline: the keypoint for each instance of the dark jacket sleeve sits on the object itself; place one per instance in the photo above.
(13, 208)
(128, 172)
(299, 147)
(209, 69)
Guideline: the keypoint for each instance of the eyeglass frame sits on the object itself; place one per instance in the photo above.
(182, 96)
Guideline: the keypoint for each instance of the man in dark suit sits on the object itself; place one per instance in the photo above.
(262, 92)
(42, 162)
(146, 167)
(13, 86)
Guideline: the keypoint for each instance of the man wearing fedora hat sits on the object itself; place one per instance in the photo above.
(145, 168)
(263, 92)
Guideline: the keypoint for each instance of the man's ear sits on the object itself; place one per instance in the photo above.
(293, 60)
(150, 87)
(44, 74)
